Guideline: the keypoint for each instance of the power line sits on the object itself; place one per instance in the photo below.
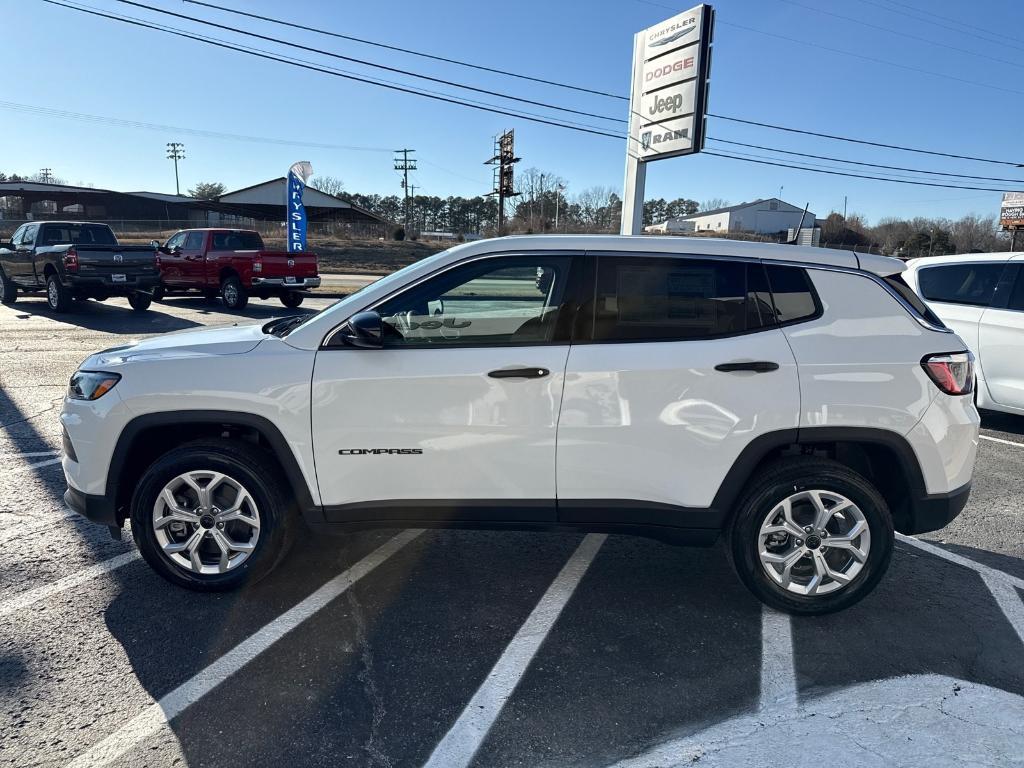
(411, 52)
(864, 141)
(851, 175)
(101, 119)
(927, 17)
(943, 45)
(870, 165)
(334, 72)
(366, 63)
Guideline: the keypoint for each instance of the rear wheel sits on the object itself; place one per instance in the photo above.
(57, 296)
(292, 299)
(158, 293)
(233, 293)
(8, 290)
(212, 515)
(140, 301)
(811, 536)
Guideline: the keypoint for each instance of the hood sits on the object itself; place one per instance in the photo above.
(213, 342)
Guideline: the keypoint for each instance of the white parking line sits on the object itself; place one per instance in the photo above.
(33, 596)
(1001, 440)
(966, 562)
(31, 455)
(778, 675)
(159, 713)
(461, 743)
(37, 465)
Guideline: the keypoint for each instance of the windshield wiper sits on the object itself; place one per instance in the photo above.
(283, 325)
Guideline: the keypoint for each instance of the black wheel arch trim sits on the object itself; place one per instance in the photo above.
(278, 444)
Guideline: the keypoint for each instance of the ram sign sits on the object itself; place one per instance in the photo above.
(671, 62)
(1011, 213)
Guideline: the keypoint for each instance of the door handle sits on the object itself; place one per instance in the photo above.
(519, 373)
(758, 366)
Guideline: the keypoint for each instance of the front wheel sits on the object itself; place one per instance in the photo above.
(140, 301)
(291, 299)
(212, 515)
(158, 293)
(57, 296)
(811, 536)
(234, 293)
(8, 290)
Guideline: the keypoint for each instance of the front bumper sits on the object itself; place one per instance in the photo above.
(280, 282)
(935, 511)
(98, 509)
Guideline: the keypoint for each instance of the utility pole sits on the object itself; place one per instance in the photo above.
(46, 175)
(504, 159)
(412, 202)
(558, 188)
(176, 152)
(405, 164)
(844, 207)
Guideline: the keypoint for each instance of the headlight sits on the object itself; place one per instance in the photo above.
(91, 385)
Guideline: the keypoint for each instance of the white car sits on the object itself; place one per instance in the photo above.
(981, 297)
(800, 402)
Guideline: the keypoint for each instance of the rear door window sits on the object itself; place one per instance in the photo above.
(972, 284)
(678, 298)
(1016, 300)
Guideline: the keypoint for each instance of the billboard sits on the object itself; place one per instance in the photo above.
(668, 101)
(1011, 212)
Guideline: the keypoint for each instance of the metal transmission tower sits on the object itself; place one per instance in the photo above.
(176, 152)
(405, 164)
(504, 179)
(46, 175)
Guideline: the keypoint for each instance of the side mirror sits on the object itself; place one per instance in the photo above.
(154, 244)
(364, 330)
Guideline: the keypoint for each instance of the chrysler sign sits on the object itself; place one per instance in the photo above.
(670, 82)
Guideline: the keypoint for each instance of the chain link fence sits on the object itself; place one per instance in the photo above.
(130, 230)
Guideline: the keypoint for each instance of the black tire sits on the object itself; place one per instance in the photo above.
(57, 296)
(775, 483)
(233, 293)
(247, 464)
(140, 301)
(292, 299)
(8, 290)
(159, 293)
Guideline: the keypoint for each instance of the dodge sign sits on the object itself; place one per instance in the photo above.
(670, 75)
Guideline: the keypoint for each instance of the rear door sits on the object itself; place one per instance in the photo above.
(1001, 340)
(959, 294)
(680, 369)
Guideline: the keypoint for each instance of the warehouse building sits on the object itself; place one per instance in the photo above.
(762, 217)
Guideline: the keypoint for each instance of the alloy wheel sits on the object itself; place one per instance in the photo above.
(206, 522)
(814, 542)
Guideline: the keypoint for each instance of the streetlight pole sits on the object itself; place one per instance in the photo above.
(557, 188)
(176, 152)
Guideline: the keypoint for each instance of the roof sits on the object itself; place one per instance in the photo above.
(166, 198)
(738, 206)
(265, 192)
(38, 186)
(963, 258)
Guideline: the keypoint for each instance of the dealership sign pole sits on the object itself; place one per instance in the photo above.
(668, 100)
(298, 175)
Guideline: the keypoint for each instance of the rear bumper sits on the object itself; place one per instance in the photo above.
(279, 282)
(105, 283)
(935, 511)
(98, 509)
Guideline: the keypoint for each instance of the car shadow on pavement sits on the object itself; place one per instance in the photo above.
(256, 309)
(997, 421)
(107, 318)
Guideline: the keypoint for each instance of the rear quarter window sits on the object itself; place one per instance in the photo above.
(792, 294)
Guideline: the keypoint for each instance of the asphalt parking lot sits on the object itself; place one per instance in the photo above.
(410, 648)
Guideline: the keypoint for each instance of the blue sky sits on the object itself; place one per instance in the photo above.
(61, 59)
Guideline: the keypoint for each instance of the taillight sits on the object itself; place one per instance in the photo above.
(257, 266)
(71, 259)
(953, 373)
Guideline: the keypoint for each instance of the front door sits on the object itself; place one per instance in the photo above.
(454, 419)
(23, 271)
(681, 370)
(1001, 343)
(193, 260)
(170, 260)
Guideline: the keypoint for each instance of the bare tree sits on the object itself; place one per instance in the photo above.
(330, 185)
(713, 204)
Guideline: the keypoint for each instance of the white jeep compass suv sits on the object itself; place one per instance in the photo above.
(801, 402)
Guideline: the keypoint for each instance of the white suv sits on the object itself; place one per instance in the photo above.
(802, 402)
(981, 297)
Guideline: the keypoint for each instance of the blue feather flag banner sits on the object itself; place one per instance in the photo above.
(298, 175)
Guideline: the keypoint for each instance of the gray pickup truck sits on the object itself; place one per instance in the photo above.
(76, 260)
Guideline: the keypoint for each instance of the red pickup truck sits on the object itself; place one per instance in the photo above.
(233, 264)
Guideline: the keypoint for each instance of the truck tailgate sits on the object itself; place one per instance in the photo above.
(282, 264)
(114, 258)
